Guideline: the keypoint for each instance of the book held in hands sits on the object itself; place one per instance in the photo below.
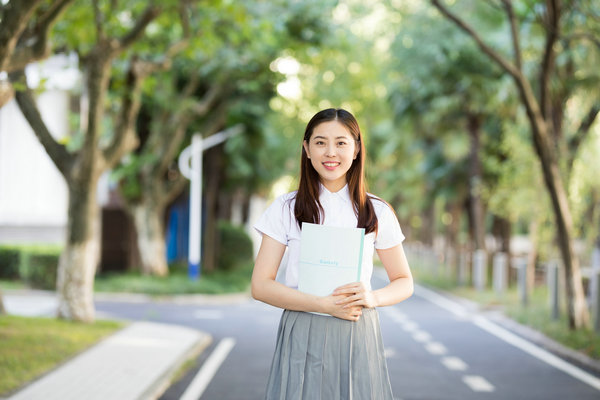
(329, 258)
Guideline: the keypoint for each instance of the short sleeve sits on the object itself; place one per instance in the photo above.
(389, 233)
(274, 222)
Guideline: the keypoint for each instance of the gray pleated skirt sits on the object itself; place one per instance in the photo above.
(321, 357)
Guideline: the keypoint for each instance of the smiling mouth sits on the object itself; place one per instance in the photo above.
(331, 165)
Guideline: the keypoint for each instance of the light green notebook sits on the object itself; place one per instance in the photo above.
(329, 257)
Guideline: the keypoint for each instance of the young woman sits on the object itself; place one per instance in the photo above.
(317, 356)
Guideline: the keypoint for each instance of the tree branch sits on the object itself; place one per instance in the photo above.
(552, 16)
(508, 67)
(582, 133)
(57, 152)
(98, 20)
(137, 31)
(36, 47)
(181, 120)
(124, 138)
(514, 31)
(173, 186)
(14, 21)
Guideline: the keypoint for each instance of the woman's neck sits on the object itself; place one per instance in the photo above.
(334, 186)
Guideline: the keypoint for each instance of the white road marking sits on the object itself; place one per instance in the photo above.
(510, 338)
(478, 383)
(454, 363)
(436, 348)
(208, 314)
(208, 370)
(389, 352)
(410, 326)
(396, 315)
(421, 336)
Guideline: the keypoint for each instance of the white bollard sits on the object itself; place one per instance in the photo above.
(499, 271)
(479, 269)
(552, 281)
(463, 268)
(521, 264)
(593, 293)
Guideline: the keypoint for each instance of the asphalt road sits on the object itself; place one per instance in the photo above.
(435, 348)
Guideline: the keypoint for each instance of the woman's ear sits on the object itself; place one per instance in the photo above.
(305, 144)
(356, 150)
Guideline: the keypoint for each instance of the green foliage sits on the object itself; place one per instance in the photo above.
(217, 282)
(35, 265)
(9, 262)
(235, 247)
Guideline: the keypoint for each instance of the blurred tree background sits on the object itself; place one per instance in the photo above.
(451, 111)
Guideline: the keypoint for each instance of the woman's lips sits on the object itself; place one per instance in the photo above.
(331, 165)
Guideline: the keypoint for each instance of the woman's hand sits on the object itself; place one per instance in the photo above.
(355, 294)
(332, 307)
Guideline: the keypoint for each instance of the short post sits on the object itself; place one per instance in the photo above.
(499, 271)
(553, 288)
(521, 263)
(594, 276)
(596, 304)
(479, 269)
(463, 268)
(595, 288)
(450, 260)
(432, 260)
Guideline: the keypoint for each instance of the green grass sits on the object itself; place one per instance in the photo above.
(536, 314)
(32, 346)
(12, 285)
(218, 282)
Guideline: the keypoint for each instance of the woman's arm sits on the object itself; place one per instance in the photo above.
(266, 289)
(400, 287)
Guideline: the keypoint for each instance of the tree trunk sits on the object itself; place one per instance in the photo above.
(213, 165)
(532, 256)
(80, 257)
(149, 225)
(475, 182)
(428, 227)
(545, 148)
(576, 304)
(2, 309)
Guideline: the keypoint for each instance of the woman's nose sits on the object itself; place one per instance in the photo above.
(330, 150)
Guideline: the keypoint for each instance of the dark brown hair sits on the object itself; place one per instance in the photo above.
(308, 208)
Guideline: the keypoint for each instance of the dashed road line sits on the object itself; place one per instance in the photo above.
(436, 348)
(410, 326)
(510, 338)
(208, 314)
(421, 336)
(208, 370)
(478, 383)
(454, 364)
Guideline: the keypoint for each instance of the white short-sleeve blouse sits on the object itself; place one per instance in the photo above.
(279, 222)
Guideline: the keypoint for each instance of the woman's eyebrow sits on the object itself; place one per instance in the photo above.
(323, 137)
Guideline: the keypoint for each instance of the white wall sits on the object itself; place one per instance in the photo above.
(32, 191)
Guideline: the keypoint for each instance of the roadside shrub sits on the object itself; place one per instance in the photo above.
(9, 262)
(235, 248)
(43, 269)
(35, 265)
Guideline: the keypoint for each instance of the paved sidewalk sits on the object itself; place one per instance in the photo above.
(135, 363)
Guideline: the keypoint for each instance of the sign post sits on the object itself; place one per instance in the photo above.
(193, 155)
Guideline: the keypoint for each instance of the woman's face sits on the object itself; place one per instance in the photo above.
(331, 150)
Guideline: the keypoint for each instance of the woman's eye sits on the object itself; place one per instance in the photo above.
(341, 143)
(320, 143)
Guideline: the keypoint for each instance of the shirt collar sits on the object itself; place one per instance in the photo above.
(343, 193)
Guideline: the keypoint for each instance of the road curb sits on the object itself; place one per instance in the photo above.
(165, 381)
